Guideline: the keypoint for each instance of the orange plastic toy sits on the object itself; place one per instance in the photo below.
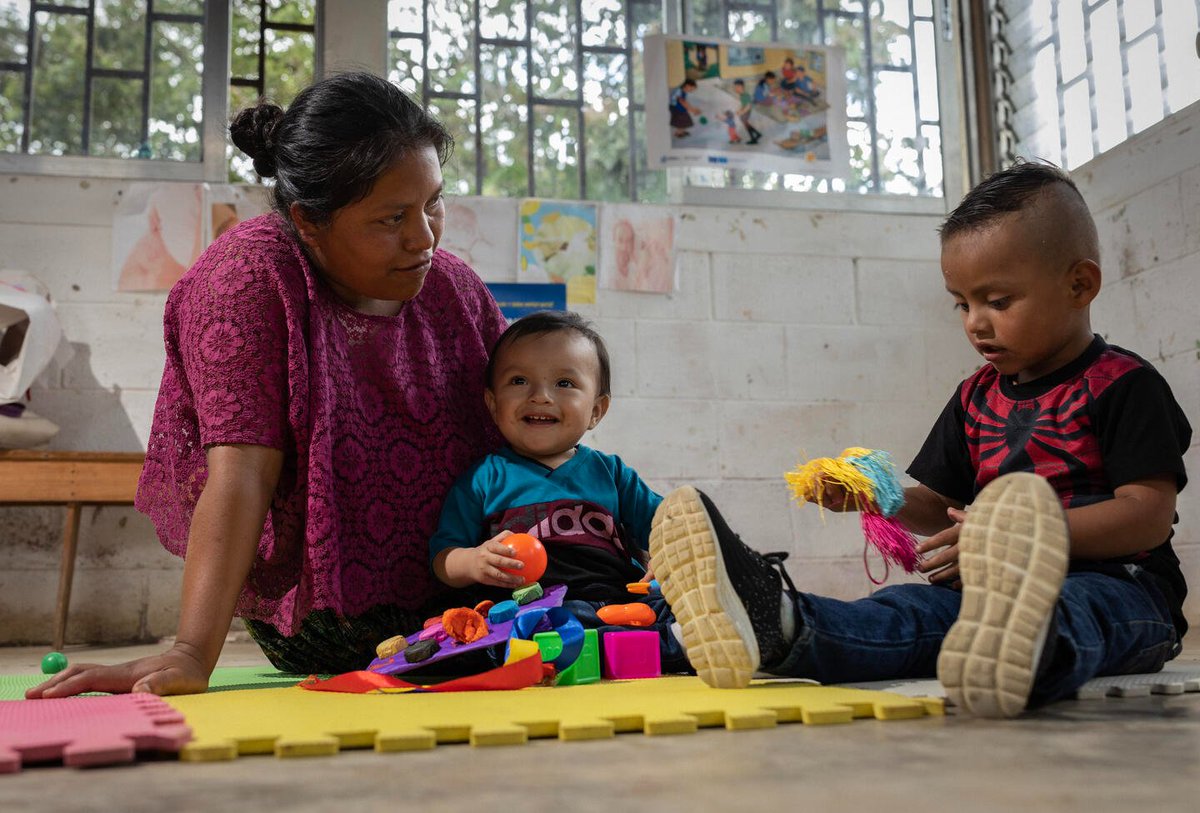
(529, 550)
(627, 615)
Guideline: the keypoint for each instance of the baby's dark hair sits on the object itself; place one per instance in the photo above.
(334, 141)
(1002, 193)
(543, 322)
(737, 82)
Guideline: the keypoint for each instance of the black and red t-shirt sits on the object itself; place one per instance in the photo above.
(1104, 420)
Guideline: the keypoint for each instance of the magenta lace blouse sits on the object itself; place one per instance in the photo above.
(376, 416)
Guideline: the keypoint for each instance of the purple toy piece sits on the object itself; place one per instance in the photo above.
(631, 654)
(497, 634)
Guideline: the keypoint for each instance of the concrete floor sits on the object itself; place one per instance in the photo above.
(1131, 754)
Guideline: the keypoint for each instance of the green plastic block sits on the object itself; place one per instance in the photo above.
(586, 668)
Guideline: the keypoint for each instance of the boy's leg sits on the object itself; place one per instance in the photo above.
(1105, 624)
(736, 618)
(1013, 551)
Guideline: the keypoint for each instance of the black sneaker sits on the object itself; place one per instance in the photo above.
(724, 594)
(1013, 554)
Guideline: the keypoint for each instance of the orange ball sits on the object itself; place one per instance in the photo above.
(528, 549)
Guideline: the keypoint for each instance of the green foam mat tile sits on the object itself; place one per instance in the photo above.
(224, 678)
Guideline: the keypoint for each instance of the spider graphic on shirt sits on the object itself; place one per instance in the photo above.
(1033, 436)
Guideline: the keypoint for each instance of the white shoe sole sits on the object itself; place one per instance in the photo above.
(1013, 554)
(686, 559)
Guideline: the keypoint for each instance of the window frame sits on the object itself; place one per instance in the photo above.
(218, 21)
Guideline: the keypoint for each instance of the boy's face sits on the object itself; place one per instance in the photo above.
(543, 396)
(1022, 312)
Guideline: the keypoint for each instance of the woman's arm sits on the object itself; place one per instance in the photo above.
(222, 543)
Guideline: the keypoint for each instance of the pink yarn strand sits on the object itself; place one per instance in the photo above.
(893, 541)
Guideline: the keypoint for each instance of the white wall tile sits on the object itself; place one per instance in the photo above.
(787, 289)
(856, 363)
(661, 438)
(765, 440)
(902, 293)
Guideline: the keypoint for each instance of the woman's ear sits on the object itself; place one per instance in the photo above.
(306, 228)
(1085, 277)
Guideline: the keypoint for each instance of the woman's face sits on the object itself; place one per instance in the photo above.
(375, 252)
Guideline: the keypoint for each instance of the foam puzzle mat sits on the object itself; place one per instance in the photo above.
(224, 679)
(290, 722)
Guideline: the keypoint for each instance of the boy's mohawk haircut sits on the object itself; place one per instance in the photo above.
(1009, 190)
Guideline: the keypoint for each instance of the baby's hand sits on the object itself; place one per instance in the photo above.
(484, 566)
(943, 567)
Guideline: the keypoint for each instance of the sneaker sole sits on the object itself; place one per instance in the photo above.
(686, 558)
(1013, 552)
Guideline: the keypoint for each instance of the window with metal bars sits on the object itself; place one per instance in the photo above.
(1088, 74)
(545, 98)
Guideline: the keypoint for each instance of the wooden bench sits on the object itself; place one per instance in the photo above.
(72, 479)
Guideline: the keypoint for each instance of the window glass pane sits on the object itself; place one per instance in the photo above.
(603, 23)
(1139, 17)
(176, 6)
(923, 8)
(458, 116)
(1179, 35)
(1106, 70)
(606, 126)
(57, 124)
(244, 39)
(502, 19)
(798, 22)
(897, 133)
(1145, 84)
(1070, 38)
(932, 150)
(405, 16)
(848, 33)
(859, 139)
(651, 184)
(704, 18)
(927, 72)
(116, 117)
(291, 11)
(14, 30)
(646, 20)
(555, 153)
(12, 98)
(502, 122)
(289, 64)
(890, 42)
(176, 91)
(1078, 124)
(749, 25)
(404, 56)
(554, 51)
(451, 58)
(120, 35)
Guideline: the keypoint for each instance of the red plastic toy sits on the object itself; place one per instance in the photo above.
(529, 550)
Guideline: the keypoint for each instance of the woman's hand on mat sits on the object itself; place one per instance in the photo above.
(177, 671)
(942, 566)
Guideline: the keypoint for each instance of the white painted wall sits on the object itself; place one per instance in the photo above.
(793, 335)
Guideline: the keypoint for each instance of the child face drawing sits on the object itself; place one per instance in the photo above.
(624, 241)
(1021, 311)
(544, 394)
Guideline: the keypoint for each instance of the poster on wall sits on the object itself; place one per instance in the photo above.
(226, 205)
(557, 243)
(736, 105)
(517, 299)
(637, 248)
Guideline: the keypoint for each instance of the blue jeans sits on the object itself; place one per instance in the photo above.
(1110, 623)
(670, 649)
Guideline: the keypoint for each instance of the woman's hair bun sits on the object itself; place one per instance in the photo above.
(253, 132)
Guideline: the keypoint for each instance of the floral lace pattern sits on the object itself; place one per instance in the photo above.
(375, 415)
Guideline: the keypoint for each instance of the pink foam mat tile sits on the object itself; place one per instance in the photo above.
(87, 731)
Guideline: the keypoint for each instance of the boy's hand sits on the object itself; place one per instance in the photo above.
(483, 563)
(834, 497)
(942, 567)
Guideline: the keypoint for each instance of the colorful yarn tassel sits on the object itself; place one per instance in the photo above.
(869, 479)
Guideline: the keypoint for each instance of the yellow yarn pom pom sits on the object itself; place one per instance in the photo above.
(809, 481)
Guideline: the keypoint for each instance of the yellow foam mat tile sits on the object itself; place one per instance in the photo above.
(294, 722)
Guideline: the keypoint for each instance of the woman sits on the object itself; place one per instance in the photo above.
(323, 388)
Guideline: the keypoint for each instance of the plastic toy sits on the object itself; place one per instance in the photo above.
(560, 620)
(586, 668)
(53, 663)
(638, 588)
(528, 593)
(529, 550)
(388, 648)
(632, 654)
(464, 624)
(869, 479)
(627, 615)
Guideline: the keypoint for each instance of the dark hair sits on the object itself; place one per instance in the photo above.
(688, 81)
(543, 322)
(334, 141)
(766, 76)
(1002, 193)
(737, 82)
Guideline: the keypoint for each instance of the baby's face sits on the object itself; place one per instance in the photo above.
(544, 394)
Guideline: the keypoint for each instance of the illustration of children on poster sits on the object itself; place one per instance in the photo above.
(770, 106)
(557, 243)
